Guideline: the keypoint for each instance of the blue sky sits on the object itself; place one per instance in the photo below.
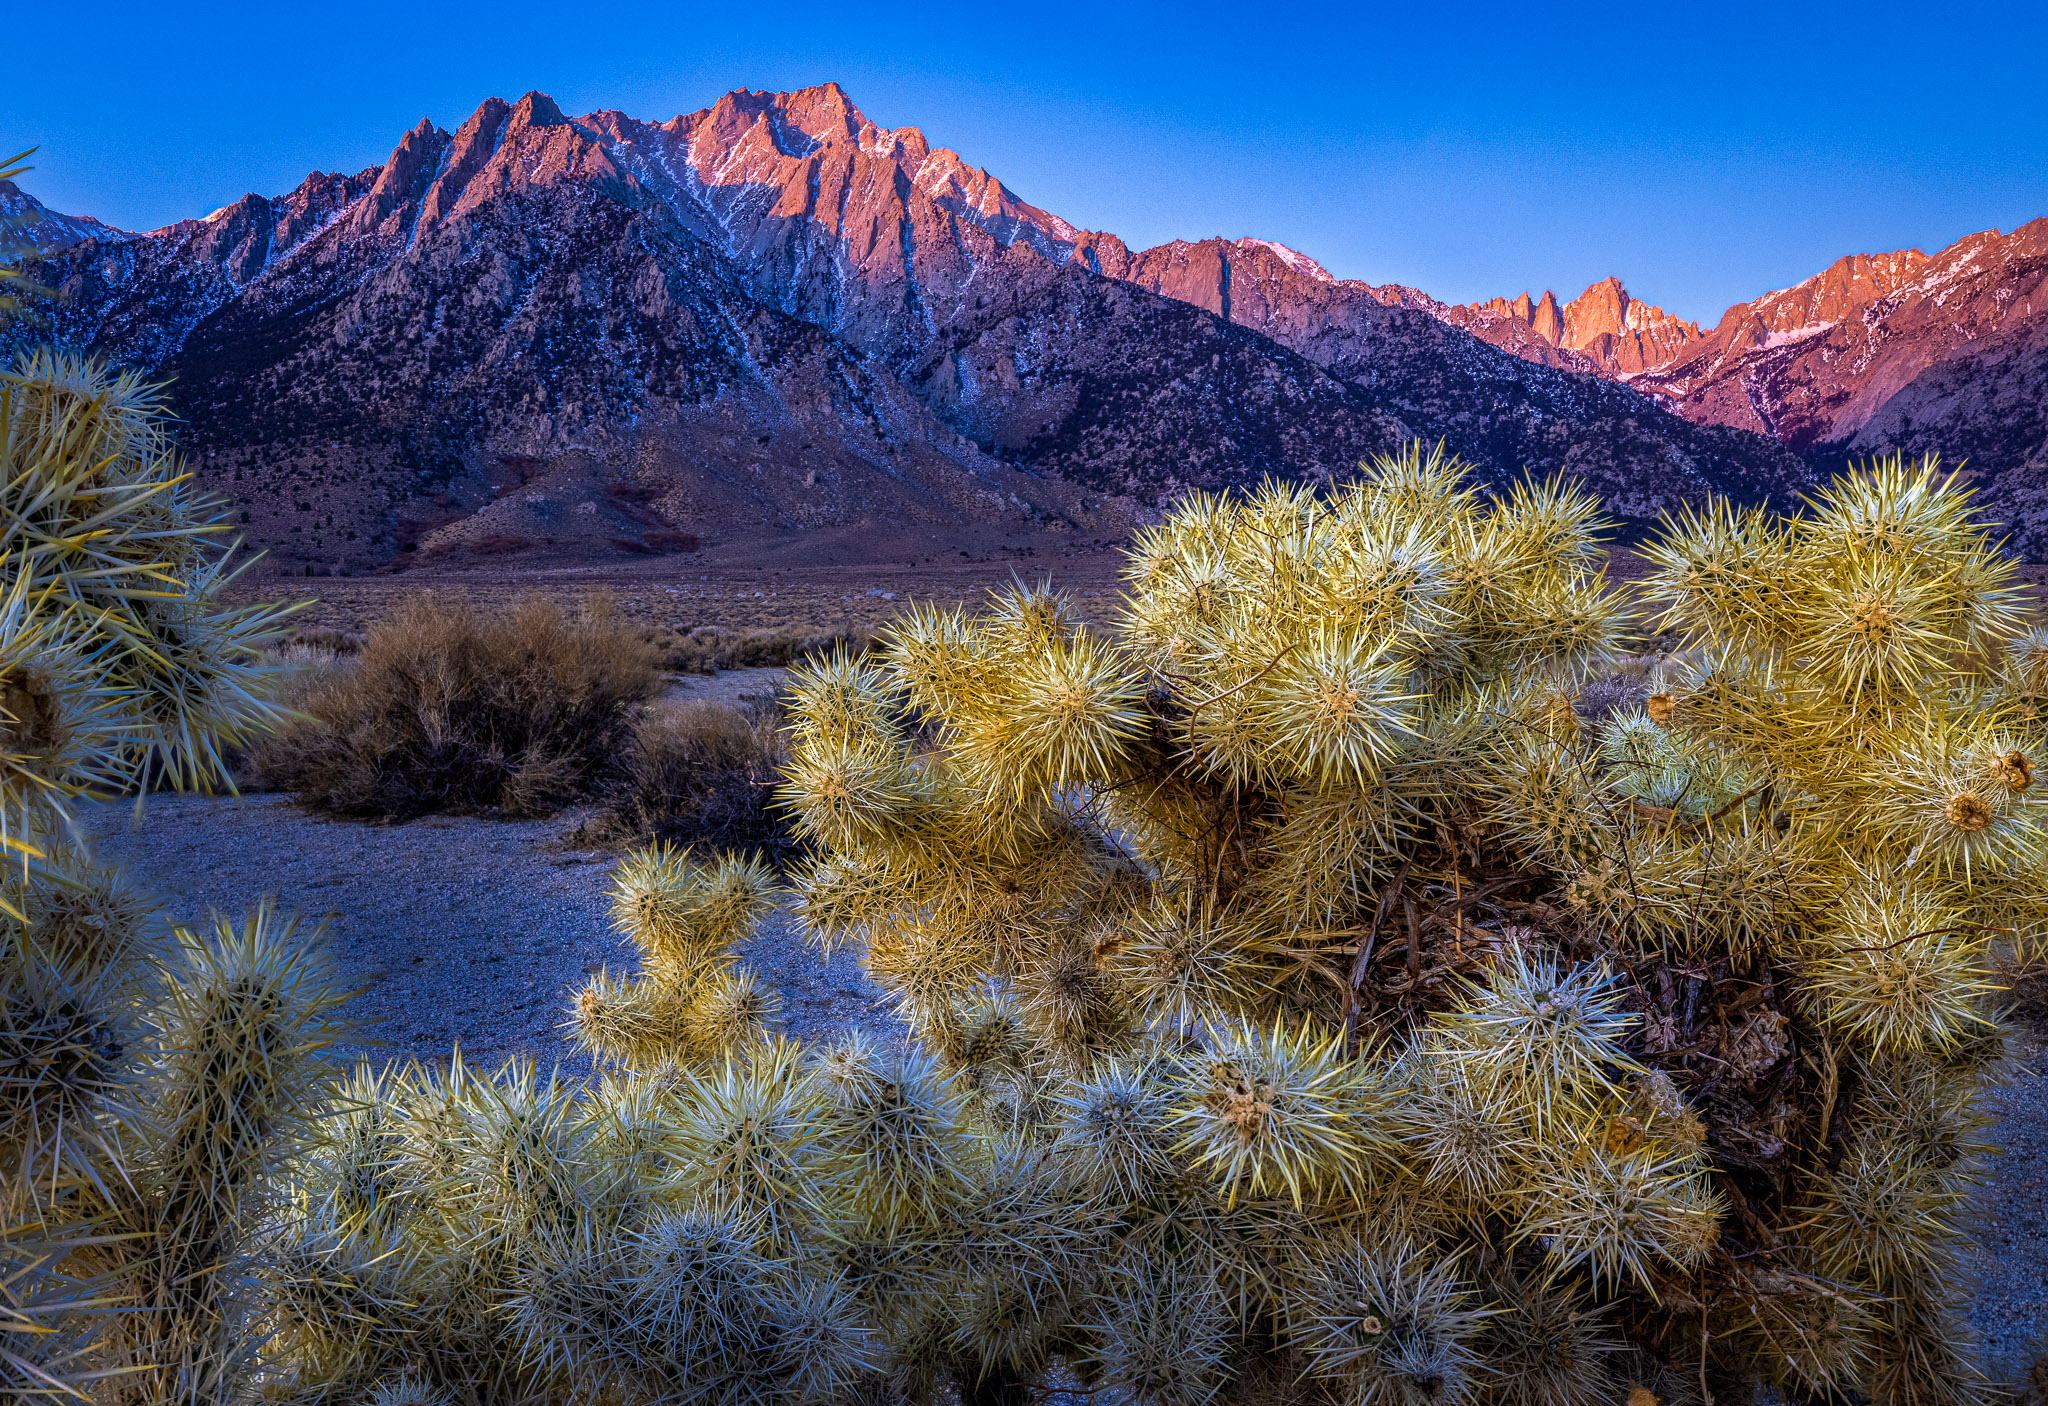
(1705, 153)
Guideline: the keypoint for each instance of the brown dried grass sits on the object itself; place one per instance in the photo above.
(446, 708)
(700, 773)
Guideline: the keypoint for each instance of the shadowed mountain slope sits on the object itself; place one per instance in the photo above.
(601, 335)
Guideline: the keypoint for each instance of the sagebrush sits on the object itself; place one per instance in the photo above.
(446, 708)
(698, 773)
(707, 648)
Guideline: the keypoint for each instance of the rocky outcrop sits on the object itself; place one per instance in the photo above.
(1902, 350)
(1603, 330)
(1623, 334)
(1984, 408)
(27, 224)
(599, 333)
(1817, 363)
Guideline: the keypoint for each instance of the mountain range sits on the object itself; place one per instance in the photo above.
(596, 336)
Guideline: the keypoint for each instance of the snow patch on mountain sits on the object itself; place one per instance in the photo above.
(1293, 258)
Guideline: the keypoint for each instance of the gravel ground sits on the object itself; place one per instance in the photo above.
(854, 579)
(2011, 1261)
(455, 930)
(731, 687)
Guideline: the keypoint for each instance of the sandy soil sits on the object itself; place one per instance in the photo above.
(453, 931)
(2011, 1252)
(821, 581)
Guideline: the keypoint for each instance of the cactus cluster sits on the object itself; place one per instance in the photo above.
(1311, 995)
(153, 1084)
(122, 666)
(1460, 1040)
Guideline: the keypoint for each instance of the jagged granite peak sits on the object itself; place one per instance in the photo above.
(1895, 350)
(1293, 258)
(1815, 364)
(1603, 330)
(746, 137)
(537, 109)
(474, 144)
(601, 334)
(403, 178)
(26, 223)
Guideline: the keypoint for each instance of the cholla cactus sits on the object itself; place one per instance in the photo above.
(1312, 884)
(687, 1003)
(154, 1083)
(1310, 997)
(102, 532)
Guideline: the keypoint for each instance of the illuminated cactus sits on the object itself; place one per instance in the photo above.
(1316, 883)
(1311, 994)
(153, 1086)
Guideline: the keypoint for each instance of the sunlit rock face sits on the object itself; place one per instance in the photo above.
(773, 314)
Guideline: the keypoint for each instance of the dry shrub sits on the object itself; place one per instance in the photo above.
(300, 671)
(445, 708)
(707, 649)
(322, 641)
(701, 773)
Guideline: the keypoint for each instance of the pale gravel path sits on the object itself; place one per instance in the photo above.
(2011, 1260)
(732, 687)
(455, 929)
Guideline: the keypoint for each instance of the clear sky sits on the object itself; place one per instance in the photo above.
(1705, 153)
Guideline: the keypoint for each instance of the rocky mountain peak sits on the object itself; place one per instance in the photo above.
(1603, 329)
(1293, 258)
(501, 146)
(1843, 289)
(826, 115)
(772, 315)
(1622, 334)
(1866, 354)
(1603, 308)
(797, 124)
(411, 164)
(537, 109)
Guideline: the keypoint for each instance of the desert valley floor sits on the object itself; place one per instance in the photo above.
(441, 960)
(849, 578)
